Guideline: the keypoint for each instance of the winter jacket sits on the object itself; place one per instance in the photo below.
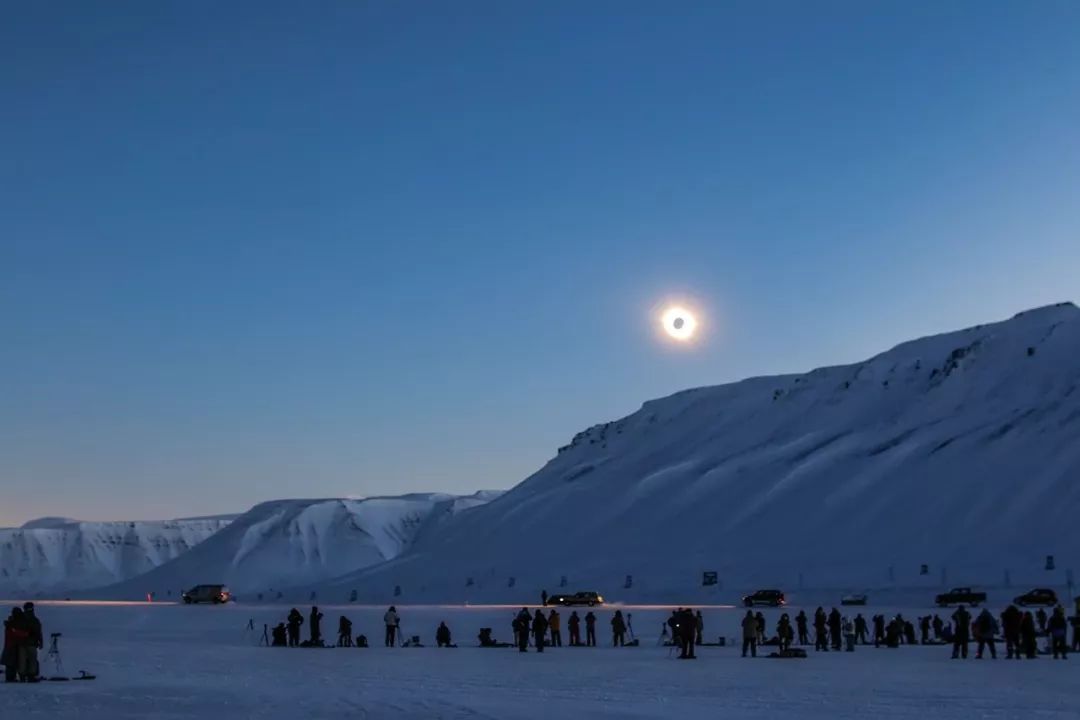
(573, 623)
(391, 618)
(590, 620)
(1011, 619)
(554, 622)
(962, 622)
(1057, 626)
(618, 625)
(749, 627)
(14, 637)
(539, 624)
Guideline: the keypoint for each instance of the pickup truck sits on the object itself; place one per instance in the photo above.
(960, 596)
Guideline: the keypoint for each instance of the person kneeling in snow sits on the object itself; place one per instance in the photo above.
(280, 636)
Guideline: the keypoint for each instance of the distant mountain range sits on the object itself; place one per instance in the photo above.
(960, 452)
(58, 555)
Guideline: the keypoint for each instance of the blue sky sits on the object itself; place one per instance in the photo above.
(316, 249)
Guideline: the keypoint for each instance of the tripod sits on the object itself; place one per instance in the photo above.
(54, 654)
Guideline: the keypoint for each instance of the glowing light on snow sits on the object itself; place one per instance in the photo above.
(679, 323)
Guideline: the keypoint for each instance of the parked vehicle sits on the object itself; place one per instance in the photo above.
(214, 594)
(960, 596)
(772, 598)
(854, 599)
(590, 599)
(1038, 596)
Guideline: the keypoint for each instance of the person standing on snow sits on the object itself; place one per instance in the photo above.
(574, 626)
(294, 621)
(391, 621)
(962, 624)
(984, 625)
(834, 628)
(618, 630)
(1010, 626)
(15, 638)
(821, 631)
(800, 622)
(749, 634)
(34, 642)
(783, 632)
(879, 630)
(687, 646)
(860, 629)
(760, 619)
(1058, 628)
(315, 626)
(699, 624)
(590, 629)
(521, 630)
(344, 632)
(555, 627)
(924, 630)
(539, 628)
(1027, 636)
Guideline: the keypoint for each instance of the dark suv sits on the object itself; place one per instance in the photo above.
(772, 598)
(1038, 596)
(580, 598)
(215, 594)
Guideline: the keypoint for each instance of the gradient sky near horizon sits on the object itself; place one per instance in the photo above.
(261, 250)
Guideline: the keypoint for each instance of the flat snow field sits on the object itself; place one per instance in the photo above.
(169, 661)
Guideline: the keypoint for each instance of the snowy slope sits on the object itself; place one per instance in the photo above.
(961, 451)
(57, 555)
(285, 543)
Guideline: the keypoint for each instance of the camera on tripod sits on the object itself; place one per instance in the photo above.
(56, 635)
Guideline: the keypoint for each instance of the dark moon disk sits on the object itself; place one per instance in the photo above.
(678, 323)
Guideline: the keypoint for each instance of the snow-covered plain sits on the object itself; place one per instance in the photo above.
(172, 661)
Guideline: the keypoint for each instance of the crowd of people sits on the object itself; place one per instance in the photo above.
(288, 633)
(1019, 630)
(23, 638)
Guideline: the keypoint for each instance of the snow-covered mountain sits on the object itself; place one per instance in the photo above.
(57, 555)
(288, 543)
(959, 451)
